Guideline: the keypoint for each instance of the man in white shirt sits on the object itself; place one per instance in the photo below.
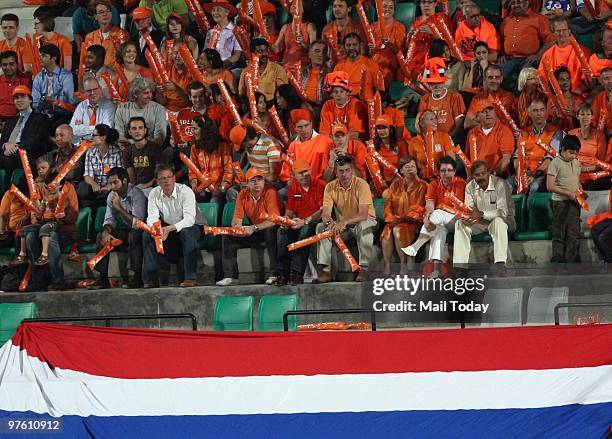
(491, 209)
(93, 111)
(174, 205)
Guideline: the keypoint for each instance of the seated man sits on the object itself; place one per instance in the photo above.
(13, 216)
(53, 87)
(175, 206)
(28, 130)
(109, 36)
(351, 198)
(11, 77)
(271, 74)
(492, 210)
(361, 70)
(264, 153)
(437, 222)
(125, 202)
(94, 67)
(256, 200)
(141, 157)
(94, 110)
(65, 149)
(173, 94)
(304, 205)
(344, 146)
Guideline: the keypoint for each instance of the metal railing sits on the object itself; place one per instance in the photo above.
(107, 319)
(330, 311)
(576, 305)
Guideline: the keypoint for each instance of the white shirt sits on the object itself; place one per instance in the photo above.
(105, 113)
(178, 209)
(495, 201)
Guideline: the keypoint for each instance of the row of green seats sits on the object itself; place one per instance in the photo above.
(235, 313)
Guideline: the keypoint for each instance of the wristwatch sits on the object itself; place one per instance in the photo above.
(306, 221)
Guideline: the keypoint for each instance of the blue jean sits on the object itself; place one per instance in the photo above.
(180, 248)
(298, 259)
(57, 239)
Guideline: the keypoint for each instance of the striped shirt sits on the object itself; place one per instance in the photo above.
(265, 152)
(98, 167)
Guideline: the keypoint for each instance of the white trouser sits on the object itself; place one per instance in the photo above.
(444, 222)
(498, 229)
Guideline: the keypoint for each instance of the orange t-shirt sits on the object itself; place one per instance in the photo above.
(534, 153)
(354, 115)
(269, 202)
(524, 36)
(111, 43)
(506, 98)
(598, 64)
(443, 144)
(386, 58)
(392, 155)
(335, 38)
(24, 54)
(565, 56)
(314, 150)
(181, 80)
(362, 72)
(436, 189)
(63, 44)
(216, 166)
(466, 38)
(601, 104)
(490, 147)
(593, 147)
(446, 109)
(13, 209)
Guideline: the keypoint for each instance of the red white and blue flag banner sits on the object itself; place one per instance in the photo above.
(528, 382)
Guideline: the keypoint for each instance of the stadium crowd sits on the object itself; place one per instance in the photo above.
(301, 122)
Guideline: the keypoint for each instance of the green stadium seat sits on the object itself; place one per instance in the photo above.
(283, 16)
(452, 5)
(539, 214)
(211, 213)
(90, 247)
(379, 207)
(405, 12)
(519, 217)
(83, 225)
(397, 91)
(586, 40)
(233, 313)
(7, 251)
(11, 315)
(271, 311)
(410, 123)
(17, 176)
(2, 181)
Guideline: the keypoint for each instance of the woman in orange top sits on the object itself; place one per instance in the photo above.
(175, 35)
(173, 94)
(528, 86)
(389, 146)
(393, 38)
(212, 157)
(592, 145)
(423, 35)
(400, 229)
(211, 66)
(442, 144)
(126, 65)
(295, 42)
(599, 61)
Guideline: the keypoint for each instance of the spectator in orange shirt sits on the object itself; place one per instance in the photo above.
(562, 53)
(44, 25)
(361, 70)
(212, 156)
(304, 206)
(526, 35)
(313, 74)
(592, 146)
(13, 216)
(493, 78)
(10, 29)
(172, 94)
(443, 144)
(253, 202)
(294, 42)
(393, 39)
(437, 222)
(345, 146)
(389, 146)
(211, 66)
(490, 141)
(473, 29)
(175, 35)
(341, 25)
(537, 160)
(599, 61)
(342, 107)
(271, 74)
(566, 121)
(448, 106)
(108, 35)
(601, 103)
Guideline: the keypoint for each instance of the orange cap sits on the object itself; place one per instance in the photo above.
(339, 126)
(301, 165)
(300, 114)
(435, 71)
(237, 135)
(384, 120)
(254, 172)
(141, 13)
(337, 79)
(22, 90)
(267, 8)
(483, 105)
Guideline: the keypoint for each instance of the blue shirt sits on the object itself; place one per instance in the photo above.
(135, 203)
(83, 24)
(63, 89)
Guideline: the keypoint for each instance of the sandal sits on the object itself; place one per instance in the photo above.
(74, 256)
(19, 260)
(42, 260)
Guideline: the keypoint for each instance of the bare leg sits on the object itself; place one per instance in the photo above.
(402, 256)
(22, 246)
(387, 250)
(45, 246)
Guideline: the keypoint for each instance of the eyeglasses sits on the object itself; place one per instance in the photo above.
(105, 12)
(165, 178)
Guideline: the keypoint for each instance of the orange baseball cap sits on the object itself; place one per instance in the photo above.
(267, 8)
(140, 13)
(301, 165)
(22, 90)
(254, 172)
(237, 135)
(483, 105)
(337, 127)
(384, 120)
(300, 114)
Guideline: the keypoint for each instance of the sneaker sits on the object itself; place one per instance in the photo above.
(270, 280)
(227, 281)
(410, 251)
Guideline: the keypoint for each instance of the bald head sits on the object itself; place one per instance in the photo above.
(63, 136)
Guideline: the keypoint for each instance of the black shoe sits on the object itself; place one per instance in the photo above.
(280, 281)
(296, 278)
(100, 284)
(56, 287)
(135, 282)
